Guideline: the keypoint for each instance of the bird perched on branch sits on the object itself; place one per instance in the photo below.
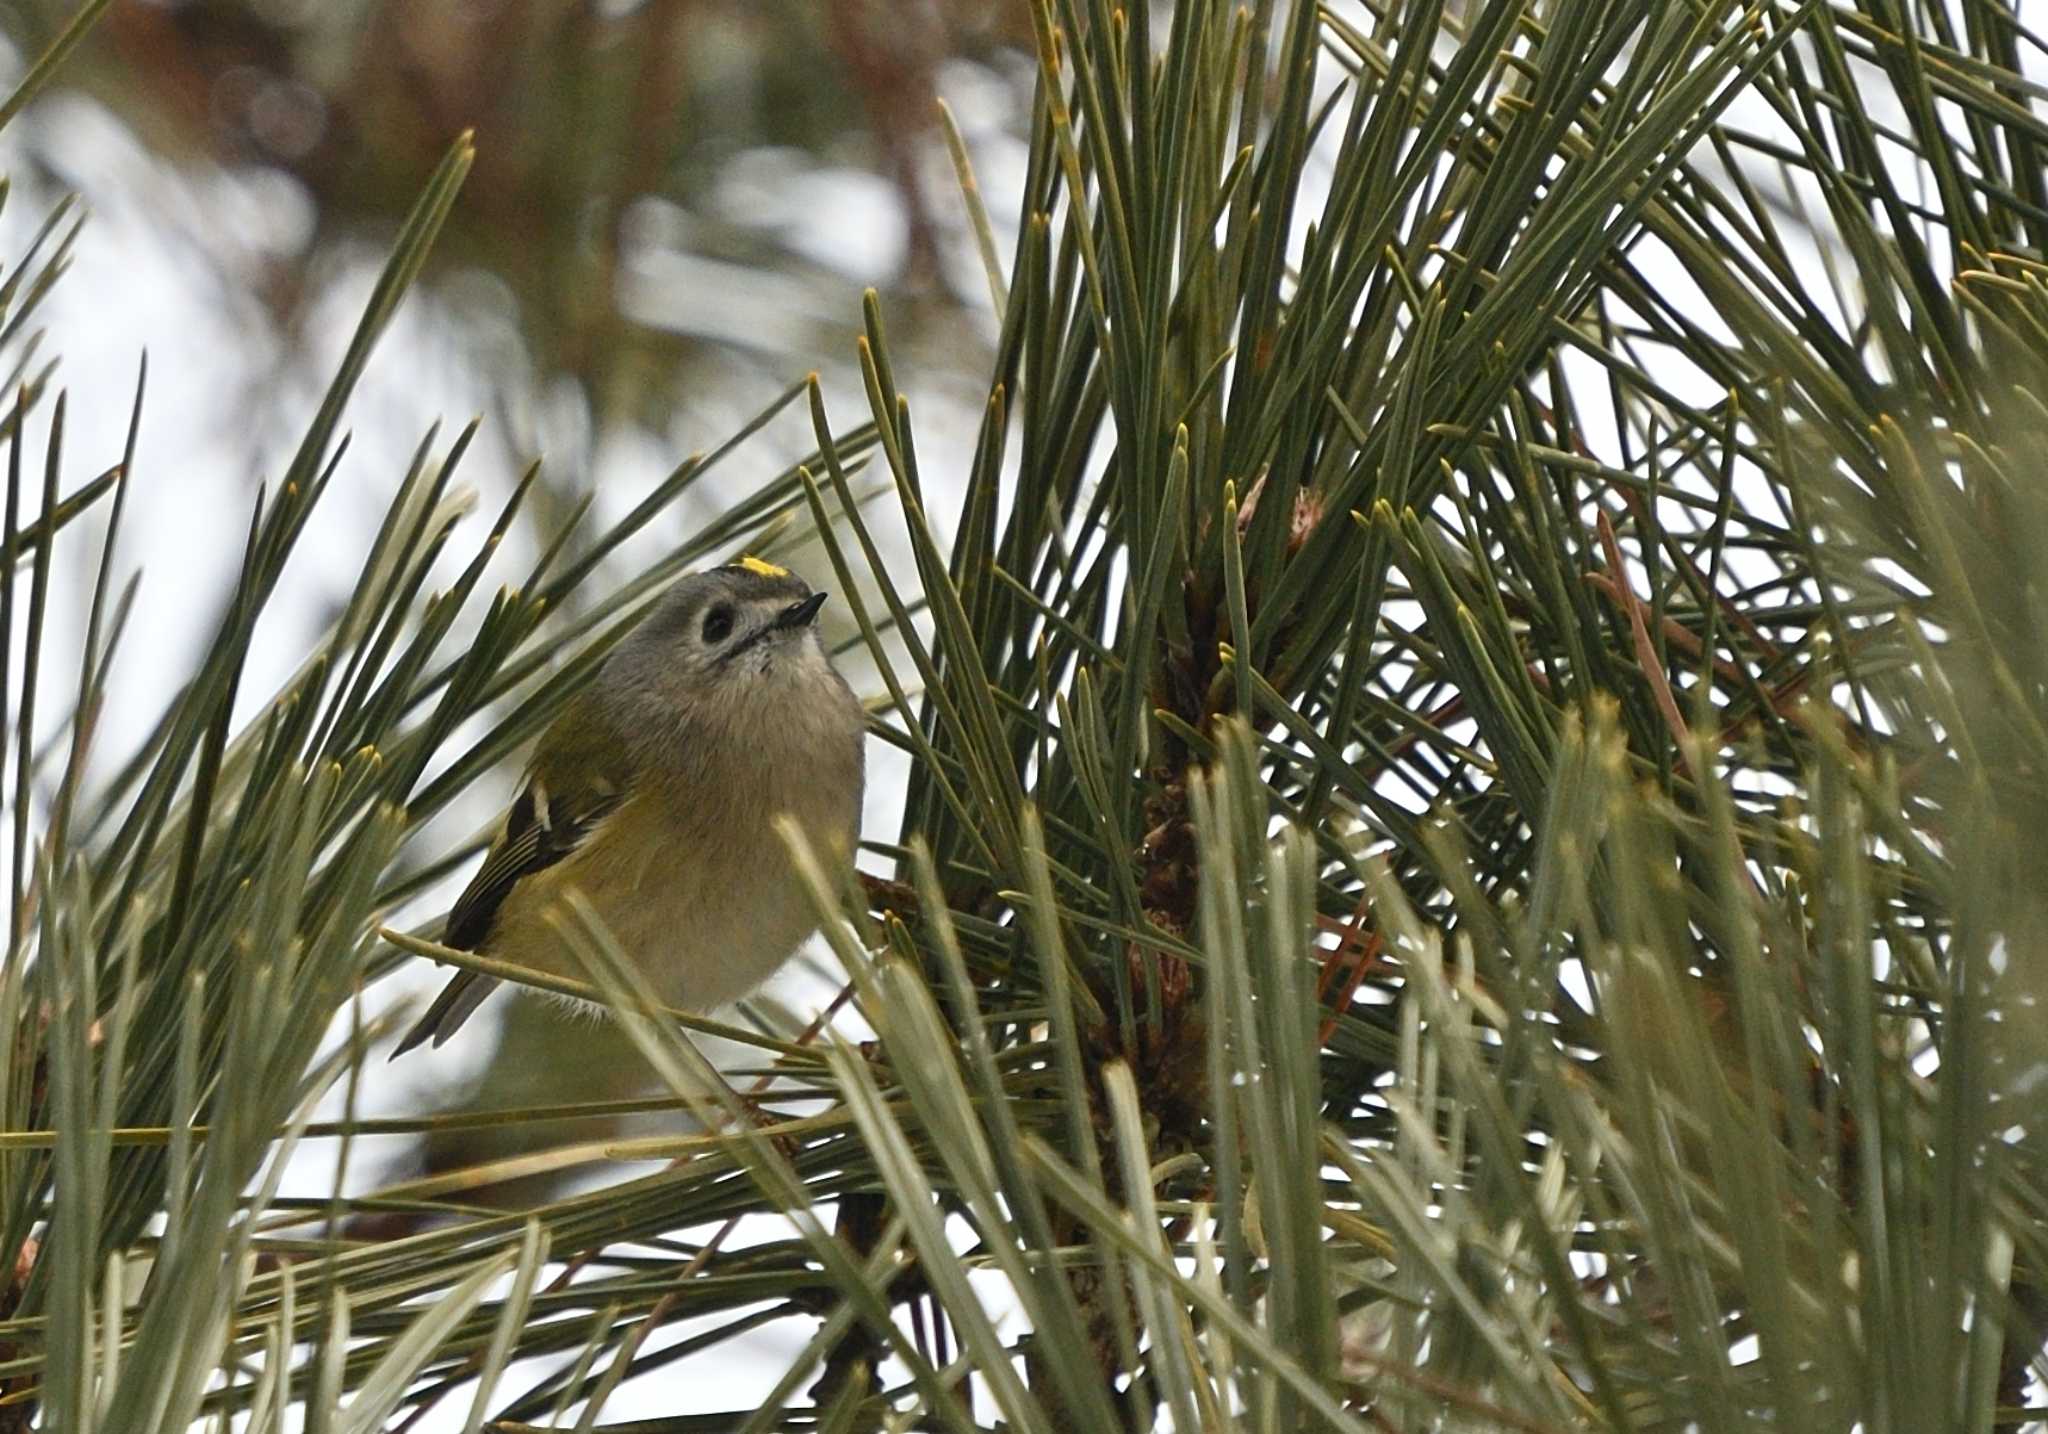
(654, 796)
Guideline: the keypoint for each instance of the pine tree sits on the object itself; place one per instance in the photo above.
(1472, 858)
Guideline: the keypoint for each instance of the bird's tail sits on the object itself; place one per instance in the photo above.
(456, 1003)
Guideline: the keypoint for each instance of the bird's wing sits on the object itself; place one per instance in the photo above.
(544, 827)
(548, 822)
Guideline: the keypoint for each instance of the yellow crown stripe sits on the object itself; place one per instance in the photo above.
(761, 567)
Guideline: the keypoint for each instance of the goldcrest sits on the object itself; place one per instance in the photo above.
(654, 796)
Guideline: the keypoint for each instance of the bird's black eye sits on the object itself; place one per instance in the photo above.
(718, 624)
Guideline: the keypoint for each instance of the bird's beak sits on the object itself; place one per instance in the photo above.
(802, 614)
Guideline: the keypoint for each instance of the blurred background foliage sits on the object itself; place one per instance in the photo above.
(631, 155)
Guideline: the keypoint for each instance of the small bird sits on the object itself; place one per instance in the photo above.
(654, 796)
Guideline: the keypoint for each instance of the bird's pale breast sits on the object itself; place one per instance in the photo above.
(704, 930)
